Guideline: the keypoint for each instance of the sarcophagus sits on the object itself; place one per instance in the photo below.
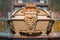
(31, 20)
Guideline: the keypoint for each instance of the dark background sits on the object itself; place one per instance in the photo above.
(5, 5)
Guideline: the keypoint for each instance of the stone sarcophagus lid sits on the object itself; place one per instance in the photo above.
(31, 20)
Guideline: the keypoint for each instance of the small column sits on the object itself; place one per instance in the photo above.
(17, 33)
(43, 33)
